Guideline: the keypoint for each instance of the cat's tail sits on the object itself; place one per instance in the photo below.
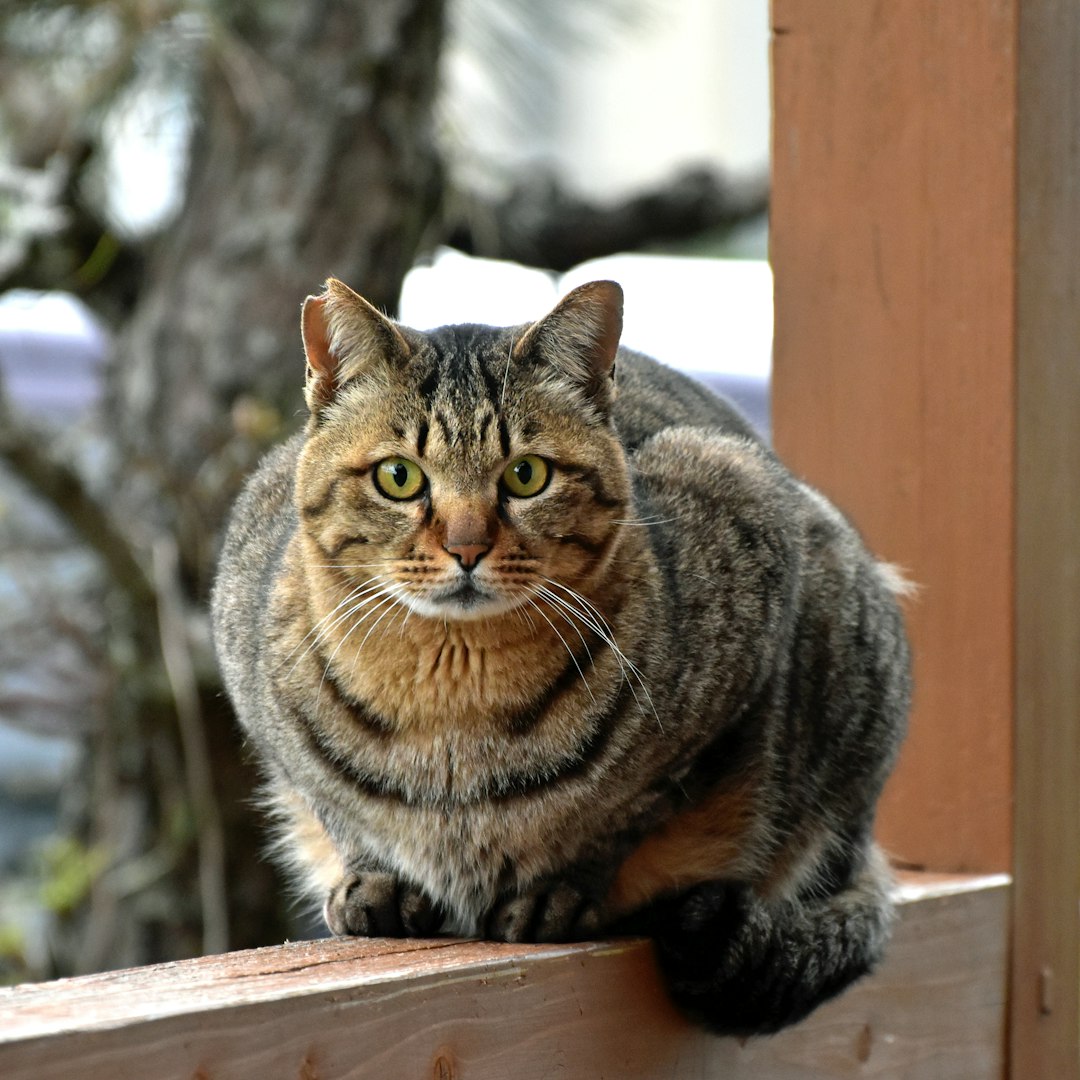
(744, 966)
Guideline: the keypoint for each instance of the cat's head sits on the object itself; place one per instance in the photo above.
(467, 470)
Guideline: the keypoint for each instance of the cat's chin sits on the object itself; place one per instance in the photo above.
(463, 604)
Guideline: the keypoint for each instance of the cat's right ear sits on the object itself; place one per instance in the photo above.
(343, 336)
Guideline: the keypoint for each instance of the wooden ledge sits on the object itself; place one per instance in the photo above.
(473, 1010)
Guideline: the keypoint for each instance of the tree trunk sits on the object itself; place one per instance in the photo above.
(313, 156)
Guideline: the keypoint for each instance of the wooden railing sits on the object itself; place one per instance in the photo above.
(387, 1009)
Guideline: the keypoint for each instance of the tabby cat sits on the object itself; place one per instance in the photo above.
(535, 639)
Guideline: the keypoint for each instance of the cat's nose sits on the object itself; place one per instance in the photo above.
(468, 555)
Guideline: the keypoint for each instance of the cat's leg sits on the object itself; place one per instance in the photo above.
(357, 899)
(743, 965)
(702, 843)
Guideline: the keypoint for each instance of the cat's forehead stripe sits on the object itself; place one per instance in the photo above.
(465, 358)
(461, 390)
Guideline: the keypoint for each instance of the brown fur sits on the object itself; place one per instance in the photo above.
(667, 670)
(713, 839)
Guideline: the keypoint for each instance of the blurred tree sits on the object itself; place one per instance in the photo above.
(312, 154)
(312, 151)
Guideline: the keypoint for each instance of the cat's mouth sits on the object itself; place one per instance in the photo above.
(463, 599)
(466, 594)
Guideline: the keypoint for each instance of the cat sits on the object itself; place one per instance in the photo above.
(535, 639)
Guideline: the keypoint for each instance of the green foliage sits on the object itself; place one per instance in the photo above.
(70, 869)
(13, 965)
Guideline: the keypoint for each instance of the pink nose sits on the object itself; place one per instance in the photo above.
(468, 554)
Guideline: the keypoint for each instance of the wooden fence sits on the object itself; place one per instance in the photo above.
(383, 1010)
(926, 231)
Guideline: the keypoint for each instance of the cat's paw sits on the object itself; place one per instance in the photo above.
(745, 967)
(376, 904)
(559, 912)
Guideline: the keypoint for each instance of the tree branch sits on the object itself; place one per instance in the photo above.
(60, 486)
(541, 224)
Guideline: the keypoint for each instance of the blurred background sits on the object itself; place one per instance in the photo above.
(175, 176)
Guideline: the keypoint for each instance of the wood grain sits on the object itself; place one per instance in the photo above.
(925, 224)
(473, 1011)
(893, 247)
(1046, 964)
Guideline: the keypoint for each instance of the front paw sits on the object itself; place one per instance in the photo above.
(559, 912)
(370, 903)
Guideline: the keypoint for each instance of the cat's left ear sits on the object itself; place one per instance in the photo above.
(344, 335)
(580, 337)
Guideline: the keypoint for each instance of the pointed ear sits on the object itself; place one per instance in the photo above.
(580, 337)
(343, 336)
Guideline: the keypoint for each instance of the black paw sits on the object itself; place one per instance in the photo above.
(559, 912)
(375, 904)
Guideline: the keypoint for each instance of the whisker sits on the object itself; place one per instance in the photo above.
(506, 373)
(386, 598)
(534, 604)
(566, 611)
(378, 600)
(404, 622)
(394, 610)
(595, 620)
(394, 607)
(319, 630)
(643, 521)
(347, 565)
(523, 614)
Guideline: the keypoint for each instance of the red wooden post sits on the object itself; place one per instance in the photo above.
(926, 252)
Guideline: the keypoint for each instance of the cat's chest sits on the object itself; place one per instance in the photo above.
(427, 684)
(451, 718)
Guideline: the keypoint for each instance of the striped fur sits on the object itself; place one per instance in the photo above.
(665, 696)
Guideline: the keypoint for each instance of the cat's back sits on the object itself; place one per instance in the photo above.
(651, 396)
(262, 522)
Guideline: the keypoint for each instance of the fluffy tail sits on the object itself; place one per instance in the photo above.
(743, 966)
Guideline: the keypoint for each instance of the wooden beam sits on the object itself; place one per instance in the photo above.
(482, 1011)
(926, 251)
(893, 249)
(1046, 962)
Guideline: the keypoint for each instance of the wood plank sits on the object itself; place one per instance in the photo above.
(478, 1010)
(1046, 965)
(892, 235)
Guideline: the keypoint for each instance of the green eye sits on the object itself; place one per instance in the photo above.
(399, 478)
(526, 476)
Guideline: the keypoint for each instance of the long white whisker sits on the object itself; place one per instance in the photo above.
(523, 614)
(506, 373)
(599, 623)
(555, 630)
(324, 625)
(567, 611)
(594, 619)
(373, 604)
(385, 598)
(395, 606)
(625, 666)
